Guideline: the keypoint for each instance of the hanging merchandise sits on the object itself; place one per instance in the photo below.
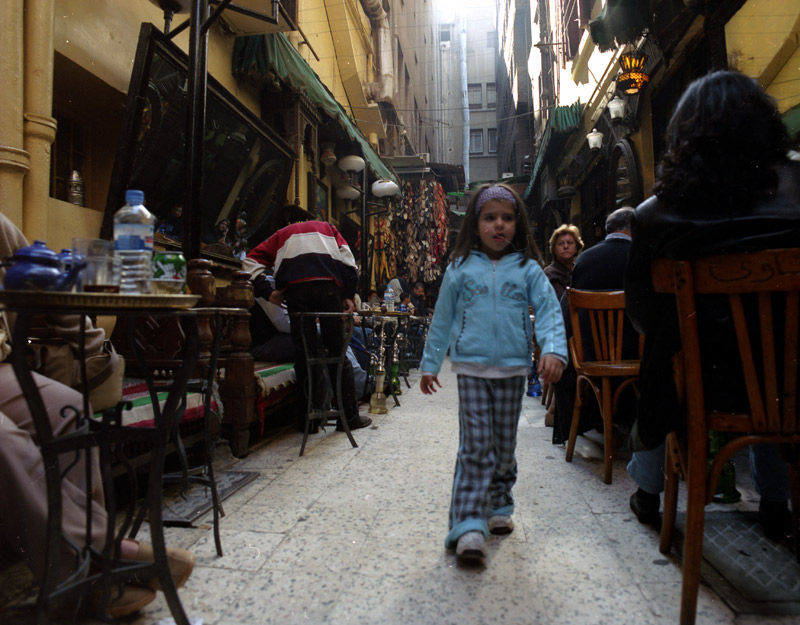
(421, 228)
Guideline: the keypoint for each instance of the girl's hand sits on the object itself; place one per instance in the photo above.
(427, 386)
(550, 369)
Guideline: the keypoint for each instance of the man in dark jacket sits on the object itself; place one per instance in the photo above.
(315, 271)
(599, 268)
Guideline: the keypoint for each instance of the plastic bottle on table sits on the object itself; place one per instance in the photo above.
(388, 298)
(133, 243)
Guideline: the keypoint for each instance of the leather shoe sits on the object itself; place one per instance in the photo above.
(356, 423)
(645, 506)
(181, 564)
(132, 599)
(775, 519)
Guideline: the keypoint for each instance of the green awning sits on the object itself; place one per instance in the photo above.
(563, 121)
(268, 59)
(791, 119)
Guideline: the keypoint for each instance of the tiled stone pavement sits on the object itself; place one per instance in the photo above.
(355, 536)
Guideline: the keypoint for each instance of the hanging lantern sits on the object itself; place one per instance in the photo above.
(632, 78)
(328, 156)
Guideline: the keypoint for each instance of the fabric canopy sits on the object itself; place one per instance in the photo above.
(563, 120)
(270, 59)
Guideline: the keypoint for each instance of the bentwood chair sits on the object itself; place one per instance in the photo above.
(759, 292)
(596, 349)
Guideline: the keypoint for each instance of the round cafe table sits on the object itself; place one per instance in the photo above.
(106, 434)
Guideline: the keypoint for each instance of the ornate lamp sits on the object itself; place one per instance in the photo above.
(595, 139)
(616, 109)
(632, 78)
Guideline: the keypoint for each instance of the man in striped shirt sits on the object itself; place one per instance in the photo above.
(314, 271)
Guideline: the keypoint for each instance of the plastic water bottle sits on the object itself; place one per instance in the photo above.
(388, 298)
(133, 243)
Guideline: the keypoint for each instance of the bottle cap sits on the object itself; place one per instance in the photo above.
(134, 197)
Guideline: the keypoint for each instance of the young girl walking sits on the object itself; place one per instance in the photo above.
(482, 316)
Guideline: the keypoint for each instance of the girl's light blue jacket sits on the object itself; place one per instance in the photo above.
(482, 314)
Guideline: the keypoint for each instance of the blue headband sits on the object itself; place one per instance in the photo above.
(493, 193)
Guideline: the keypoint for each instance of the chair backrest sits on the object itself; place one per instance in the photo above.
(760, 292)
(604, 317)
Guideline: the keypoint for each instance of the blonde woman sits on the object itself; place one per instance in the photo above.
(565, 245)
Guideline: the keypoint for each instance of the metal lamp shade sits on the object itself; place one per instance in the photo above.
(348, 192)
(351, 164)
(384, 188)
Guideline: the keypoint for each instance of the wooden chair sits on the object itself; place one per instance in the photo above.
(606, 315)
(768, 284)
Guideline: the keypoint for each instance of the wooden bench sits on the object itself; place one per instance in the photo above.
(247, 393)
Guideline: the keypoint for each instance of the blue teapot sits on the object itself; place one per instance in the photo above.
(38, 268)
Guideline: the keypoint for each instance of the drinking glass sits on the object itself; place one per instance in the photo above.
(101, 274)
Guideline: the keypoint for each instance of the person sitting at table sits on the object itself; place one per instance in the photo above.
(372, 299)
(565, 245)
(399, 285)
(418, 300)
(270, 330)
(314, 271)
(723, 185)
(405, 303)
(23, 495)
(599, 268)
(172, 226)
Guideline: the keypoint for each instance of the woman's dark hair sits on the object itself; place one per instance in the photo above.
(468, 239)
(722, 138)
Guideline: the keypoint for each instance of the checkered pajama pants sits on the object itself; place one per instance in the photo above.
(486, 467)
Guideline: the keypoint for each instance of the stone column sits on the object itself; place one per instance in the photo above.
(39, 125)
(14, 160)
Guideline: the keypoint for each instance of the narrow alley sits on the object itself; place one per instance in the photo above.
(355, 536)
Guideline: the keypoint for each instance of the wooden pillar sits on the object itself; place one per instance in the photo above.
(39, 125)
(238, 389)
(14, 160)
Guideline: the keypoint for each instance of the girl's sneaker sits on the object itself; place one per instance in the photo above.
(471, 549)
(500, 524)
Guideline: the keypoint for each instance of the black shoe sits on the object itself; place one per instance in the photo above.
(775, 519)
(645, 506)
(355, 424)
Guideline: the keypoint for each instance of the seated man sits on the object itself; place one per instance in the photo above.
(418, 300)
(314, 271)
(270, 330)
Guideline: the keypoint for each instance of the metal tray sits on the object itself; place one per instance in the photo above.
(94, 301)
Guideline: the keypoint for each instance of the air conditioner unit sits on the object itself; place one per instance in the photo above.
(425, 156)
(507, 174)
